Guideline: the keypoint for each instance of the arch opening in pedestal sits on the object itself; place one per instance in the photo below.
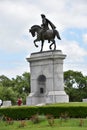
(41, 84)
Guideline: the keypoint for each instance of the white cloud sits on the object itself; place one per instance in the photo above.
(75, 56)
(85, 38)
(17, 16)
(81, 67)
(18, 69)
(73, 50)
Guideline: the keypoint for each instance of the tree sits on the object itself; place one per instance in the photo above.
(4, 81)
(75, 85)
(1, 89)
(21, 85)
(11, 89)
(9, 94)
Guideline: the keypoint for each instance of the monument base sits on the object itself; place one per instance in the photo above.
(51, 97)
(47, 85)
(57, 97)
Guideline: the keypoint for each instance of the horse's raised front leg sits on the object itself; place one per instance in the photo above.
(42, 45)
(35, 42)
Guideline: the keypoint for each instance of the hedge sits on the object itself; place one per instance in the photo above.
(25, 112)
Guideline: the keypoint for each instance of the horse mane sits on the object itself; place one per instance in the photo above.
(35, 26)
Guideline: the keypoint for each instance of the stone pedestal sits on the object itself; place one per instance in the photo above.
(47, 85)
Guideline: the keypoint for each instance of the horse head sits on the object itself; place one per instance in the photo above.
(32, 32)
(34, 29)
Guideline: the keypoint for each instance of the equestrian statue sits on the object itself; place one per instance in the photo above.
(43, 33)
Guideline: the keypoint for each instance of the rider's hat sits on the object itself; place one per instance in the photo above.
(43, 15)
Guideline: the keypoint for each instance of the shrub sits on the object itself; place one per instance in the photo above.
(8, 120)
(26, 112)
(64, 116)
(81, 123)
(22, 123)
(50, 119)
(35, 119)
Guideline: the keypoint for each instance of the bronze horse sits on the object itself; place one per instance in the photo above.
(44, 35)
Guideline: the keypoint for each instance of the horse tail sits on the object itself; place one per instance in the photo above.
(57, 34)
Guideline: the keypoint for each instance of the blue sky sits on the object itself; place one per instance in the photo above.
(16, 43)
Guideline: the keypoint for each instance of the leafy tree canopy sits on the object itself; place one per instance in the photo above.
(11, 89)
(75, 85)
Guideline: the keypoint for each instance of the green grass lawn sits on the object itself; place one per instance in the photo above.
(70, 104)
(69, 124)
